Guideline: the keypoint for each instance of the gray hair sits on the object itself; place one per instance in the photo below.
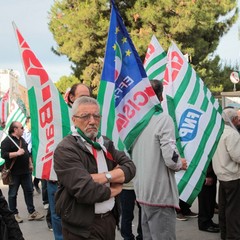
(81, 101)
(229, 114)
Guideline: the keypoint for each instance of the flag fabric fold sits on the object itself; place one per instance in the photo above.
(198, 121)
(126, 97)
(50, 115)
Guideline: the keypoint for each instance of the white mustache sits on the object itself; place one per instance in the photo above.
(92, 128)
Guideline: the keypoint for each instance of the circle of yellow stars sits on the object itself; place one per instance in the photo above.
(124, 40)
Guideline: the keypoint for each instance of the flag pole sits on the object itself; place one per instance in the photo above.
(11, 139)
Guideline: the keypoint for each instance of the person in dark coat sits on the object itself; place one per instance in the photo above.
(207, 203)
(9, 226)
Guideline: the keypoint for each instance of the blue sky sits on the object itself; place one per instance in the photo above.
(31, 18)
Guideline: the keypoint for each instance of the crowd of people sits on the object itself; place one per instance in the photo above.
(98, 186)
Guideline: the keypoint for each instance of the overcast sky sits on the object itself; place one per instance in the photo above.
(31, 18)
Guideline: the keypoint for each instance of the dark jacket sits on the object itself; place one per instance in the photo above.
(78, 193)
(8, 222)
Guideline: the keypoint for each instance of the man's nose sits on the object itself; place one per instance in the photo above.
(92, 119)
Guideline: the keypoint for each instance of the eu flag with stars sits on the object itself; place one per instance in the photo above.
(125, 95)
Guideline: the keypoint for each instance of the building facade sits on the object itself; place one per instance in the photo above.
(9, 81)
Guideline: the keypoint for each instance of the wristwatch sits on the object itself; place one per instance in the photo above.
(108, 176)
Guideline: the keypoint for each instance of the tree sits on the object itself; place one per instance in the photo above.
(65, 82)
(80, 29)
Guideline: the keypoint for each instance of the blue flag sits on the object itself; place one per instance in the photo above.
(126, 97)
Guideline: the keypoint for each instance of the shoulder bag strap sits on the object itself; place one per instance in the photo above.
(14, 159)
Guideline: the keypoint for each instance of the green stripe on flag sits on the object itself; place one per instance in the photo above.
(220, 109)
(197, 188)
(157, 72)
(66, 124)
(200, 182)
(212, 99)
(34, 126)
(155, 60)
(183, 86)
(205, 100)
(101, 93)
(120, 145)
(111, 118)
(192, 100)
(138, 128)
(171, 112)
(103, 96)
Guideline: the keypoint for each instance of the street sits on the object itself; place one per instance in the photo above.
(38, 230)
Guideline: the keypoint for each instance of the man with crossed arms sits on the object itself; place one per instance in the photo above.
(91, 173)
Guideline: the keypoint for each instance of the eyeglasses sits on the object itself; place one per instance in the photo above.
(87, 117)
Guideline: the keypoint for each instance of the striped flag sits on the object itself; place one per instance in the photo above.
(155, 63)
(4, 101)
(155, 60)
(198, 121)
(17, 113)
(50, 115)
(125, 95)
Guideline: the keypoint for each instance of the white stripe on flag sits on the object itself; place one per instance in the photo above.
(188, 93)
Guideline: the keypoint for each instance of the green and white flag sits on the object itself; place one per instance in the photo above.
(198, 121)
(17, 113)
(155, 60)
(50, 115)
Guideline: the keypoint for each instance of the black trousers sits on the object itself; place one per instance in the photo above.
(128, 199)
(229, 209)
(184, 207)
(103, 228)
(206, 205)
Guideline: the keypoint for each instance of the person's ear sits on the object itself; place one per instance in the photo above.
(72, 98)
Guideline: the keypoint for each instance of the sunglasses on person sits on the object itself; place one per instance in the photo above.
(19, 127)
